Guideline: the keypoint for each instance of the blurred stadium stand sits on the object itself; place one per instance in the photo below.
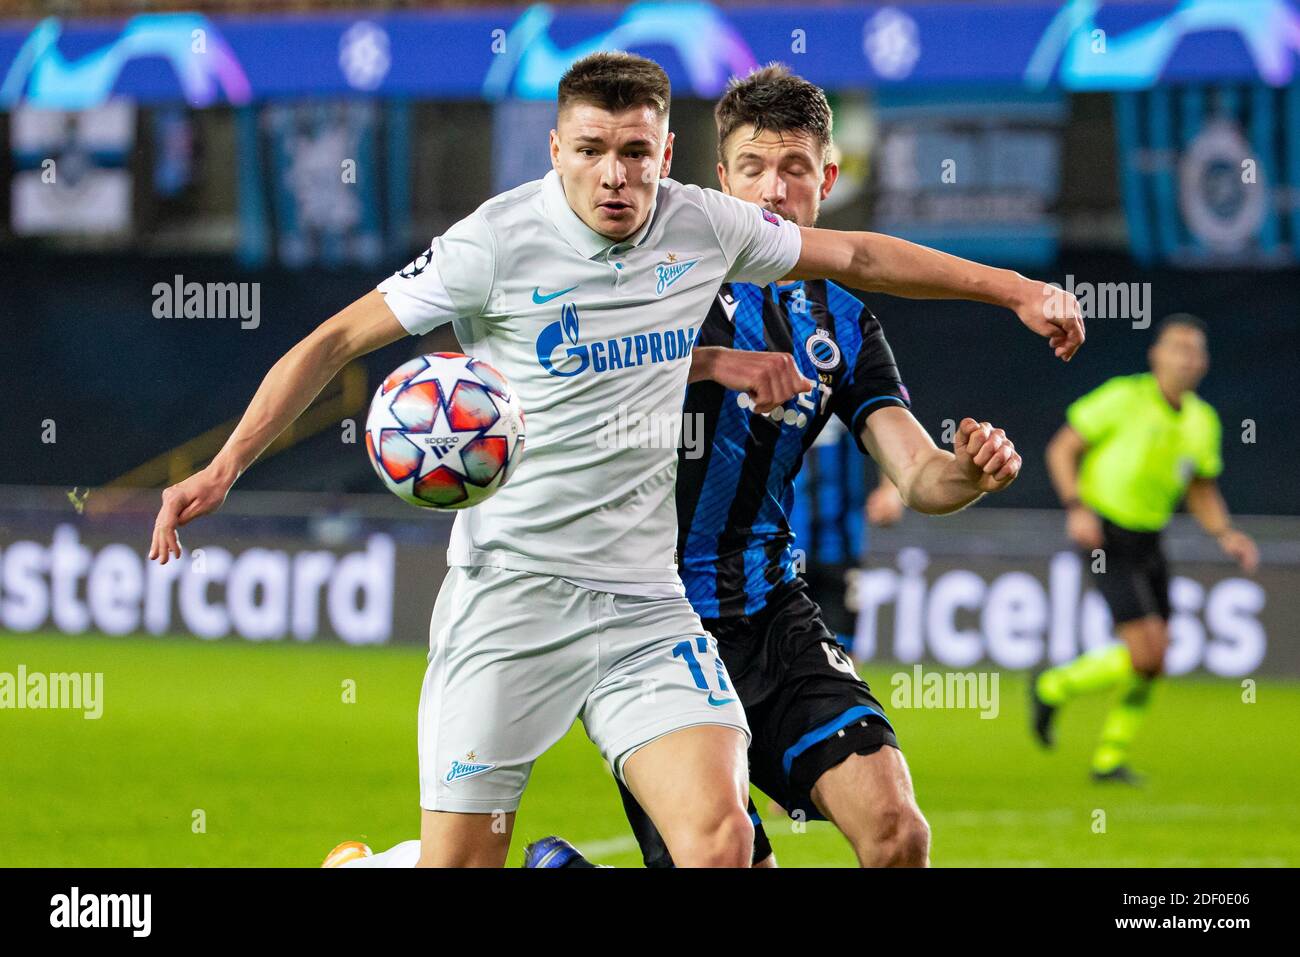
(957, 359)
(1128, 173)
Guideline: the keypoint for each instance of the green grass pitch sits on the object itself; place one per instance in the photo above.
(257, 742)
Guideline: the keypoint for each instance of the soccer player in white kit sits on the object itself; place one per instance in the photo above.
(562, 601)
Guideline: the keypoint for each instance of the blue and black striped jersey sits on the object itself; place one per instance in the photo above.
(735, 488)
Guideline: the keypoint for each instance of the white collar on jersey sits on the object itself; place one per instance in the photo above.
(578, 234)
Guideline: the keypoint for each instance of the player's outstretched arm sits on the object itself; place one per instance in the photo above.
(877, 263)
(291, 385)
(1207, 506)
(769, 378)
(932, 480)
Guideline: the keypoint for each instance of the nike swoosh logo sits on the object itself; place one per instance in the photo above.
(719, 702)
(540, 299)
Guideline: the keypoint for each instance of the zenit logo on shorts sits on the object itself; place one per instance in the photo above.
(466, 769)
(585, 327)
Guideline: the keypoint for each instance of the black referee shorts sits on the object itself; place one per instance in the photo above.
(1135, 582)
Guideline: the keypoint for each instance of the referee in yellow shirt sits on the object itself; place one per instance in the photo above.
(1128, 453)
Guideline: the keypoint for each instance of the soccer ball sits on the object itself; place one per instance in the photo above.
(445, 431)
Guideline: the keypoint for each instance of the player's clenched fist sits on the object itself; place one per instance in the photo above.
(985, 455)
(201, 493)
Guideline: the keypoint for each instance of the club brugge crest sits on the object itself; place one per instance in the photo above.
(823, 350)
(1223, 208)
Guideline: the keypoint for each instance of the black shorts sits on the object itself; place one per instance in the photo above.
(807, 708)
(1135, 582)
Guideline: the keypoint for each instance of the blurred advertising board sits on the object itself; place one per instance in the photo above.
(268, 567)
(974, 174)
(1003, 588)
(992, 587)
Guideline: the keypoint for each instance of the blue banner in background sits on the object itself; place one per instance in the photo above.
(1209, 174)
(495, 54)
(313, 188)
(972, 173)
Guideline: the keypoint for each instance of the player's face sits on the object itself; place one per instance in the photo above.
(610, 164)
(1180, 357)
(781, 171)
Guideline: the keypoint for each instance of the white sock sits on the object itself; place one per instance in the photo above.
(399, 855)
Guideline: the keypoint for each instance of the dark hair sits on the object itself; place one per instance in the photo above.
(773, 98)
(1184, 319)
(616, 82)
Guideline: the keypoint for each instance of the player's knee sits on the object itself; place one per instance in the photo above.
(726, 841)
(1149, 660)
(899, 837)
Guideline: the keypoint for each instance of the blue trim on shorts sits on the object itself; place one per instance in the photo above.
(819, 734)
(757, 821)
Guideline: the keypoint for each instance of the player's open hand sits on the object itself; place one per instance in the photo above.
(1240, 547)
(201, 493)
(770, 379)
(1083, 527)
(884, 505)
(986, 457)
(1054, 313)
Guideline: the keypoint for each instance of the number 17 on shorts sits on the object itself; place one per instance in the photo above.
(692, 651)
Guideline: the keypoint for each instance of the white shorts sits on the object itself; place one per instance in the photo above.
(515, 657)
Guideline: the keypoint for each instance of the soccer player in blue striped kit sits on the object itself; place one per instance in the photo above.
(822, 746)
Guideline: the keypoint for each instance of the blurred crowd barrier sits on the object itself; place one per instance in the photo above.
(988, 588)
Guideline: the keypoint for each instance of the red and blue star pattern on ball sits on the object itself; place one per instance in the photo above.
(445, 431)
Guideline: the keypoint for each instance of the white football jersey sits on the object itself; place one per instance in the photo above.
(595, 337)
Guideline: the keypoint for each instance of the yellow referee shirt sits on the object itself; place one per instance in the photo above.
(1142, 452)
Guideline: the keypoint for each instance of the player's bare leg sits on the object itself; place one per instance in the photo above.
(450, 839)
(1147, 641)
(694, 784)
(869, 798)
(1140, 650)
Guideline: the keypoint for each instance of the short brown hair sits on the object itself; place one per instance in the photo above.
(616, 82)
(773, 98)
